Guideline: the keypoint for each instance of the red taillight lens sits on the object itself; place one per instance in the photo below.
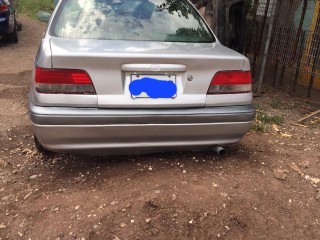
(231, 82)
(4, 8)
(63, 81)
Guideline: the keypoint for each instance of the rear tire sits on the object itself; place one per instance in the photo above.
(19, 26)
(13, 37)
(41, 149)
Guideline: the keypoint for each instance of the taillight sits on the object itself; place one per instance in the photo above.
(231, 82)
(63, 81)
(4, 8)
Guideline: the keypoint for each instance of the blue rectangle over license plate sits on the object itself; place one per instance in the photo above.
(153, 86)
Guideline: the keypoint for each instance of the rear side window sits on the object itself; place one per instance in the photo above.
(144, 20)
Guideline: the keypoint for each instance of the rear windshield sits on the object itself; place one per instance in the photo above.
(144, 20)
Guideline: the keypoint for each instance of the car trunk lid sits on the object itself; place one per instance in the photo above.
(113, 65)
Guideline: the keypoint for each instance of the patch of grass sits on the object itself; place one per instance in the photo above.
(259, 107)
(268, 119)
(277, 105)
(281, 105)
(264, 120)
(32, 7)
(314, 126)
(259, 127)
(315, 123)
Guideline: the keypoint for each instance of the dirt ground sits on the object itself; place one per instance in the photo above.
(265, 187)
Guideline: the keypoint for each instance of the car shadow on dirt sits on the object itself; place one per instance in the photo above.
(69, 166)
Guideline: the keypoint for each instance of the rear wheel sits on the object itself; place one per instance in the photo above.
(41, 149)
(13, 37)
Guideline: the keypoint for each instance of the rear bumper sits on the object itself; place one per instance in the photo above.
(108, 131)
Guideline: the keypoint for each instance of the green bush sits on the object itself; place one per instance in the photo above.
(32, 7)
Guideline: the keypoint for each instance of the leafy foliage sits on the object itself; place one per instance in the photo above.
(268, 119)
(188, 33)
(264, 120)
(175, 6)
(32, 7)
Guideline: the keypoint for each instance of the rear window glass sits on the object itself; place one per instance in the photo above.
(146, 20)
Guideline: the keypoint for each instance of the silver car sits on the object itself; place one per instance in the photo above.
(136, 76)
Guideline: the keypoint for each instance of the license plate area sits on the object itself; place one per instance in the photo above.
(153, 86)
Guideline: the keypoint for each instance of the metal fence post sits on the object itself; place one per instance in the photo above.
(266, 49)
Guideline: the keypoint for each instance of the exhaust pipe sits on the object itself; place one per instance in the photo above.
(219, 150)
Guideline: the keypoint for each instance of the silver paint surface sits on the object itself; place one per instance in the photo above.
(113, 122)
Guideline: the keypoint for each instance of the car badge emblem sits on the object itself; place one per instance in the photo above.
(155, 67)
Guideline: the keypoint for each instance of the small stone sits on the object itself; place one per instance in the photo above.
(157, 191)
(150, 168)
(155, 231)
(83, 238)
(224, 194)
(296, 169)
(173, 197)
(205, 214)
(2, 226)
(27, 196)
(275, 128)
(128, 205)
(76, 207)
(116, 238)
(122, 225)
(5, 198)
(184, 171)
(191, 221)
(33, 177)
(56, 209)
(132, 221)
(95, 226)
(280, 174)
(304, 164)
(315, 180)
(228, 228)
(148, 220)
(114, 203)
